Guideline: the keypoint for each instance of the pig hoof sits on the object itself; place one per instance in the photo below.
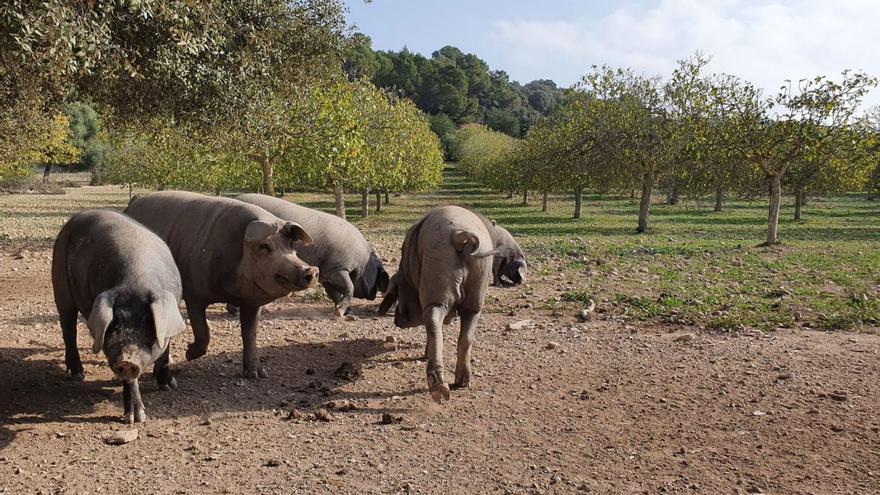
(194, 352)
(461, 383)
(128, 418)
(256, 373)
(170, 384)
(340, 312)
(140, 416)
(440, 392)
(77, 376)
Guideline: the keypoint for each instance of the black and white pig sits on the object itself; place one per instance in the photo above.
(123, 279)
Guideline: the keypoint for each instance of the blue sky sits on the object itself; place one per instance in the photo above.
(766, 42)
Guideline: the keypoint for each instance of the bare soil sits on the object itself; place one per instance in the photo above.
(559, 406)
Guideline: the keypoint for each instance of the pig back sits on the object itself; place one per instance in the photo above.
(445, 275)
(205, 235)
(338, 245)
(98, 250)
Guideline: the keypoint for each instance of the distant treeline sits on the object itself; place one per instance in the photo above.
(455, 87)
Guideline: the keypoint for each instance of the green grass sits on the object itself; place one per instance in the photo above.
(695, 266)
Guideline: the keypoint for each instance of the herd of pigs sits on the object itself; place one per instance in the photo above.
(127, 273)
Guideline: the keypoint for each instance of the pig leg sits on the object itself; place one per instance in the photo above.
(132, 404)
(162, 371)
(438, 388)
(201, 332)
(465, 339)
(249, 315)
(71, 353)
(341, 282)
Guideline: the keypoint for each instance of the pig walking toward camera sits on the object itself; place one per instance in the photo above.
(445, 269)
(227, 251)
(122, 278)
(349, 267)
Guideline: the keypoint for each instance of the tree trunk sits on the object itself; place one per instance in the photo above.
(645, 203)
(365, 203)
(525, 197)
(544, 201)
(672, 199)
(387, 199)
(632, 194)
(268, 183)
(773, 218)
(719, 197)
(339, 196)
(510, 194)
(798, 202)
(46, 172)
(578, 200)
(378, 202)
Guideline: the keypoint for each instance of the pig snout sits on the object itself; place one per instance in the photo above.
(127, 370)
(300, 278)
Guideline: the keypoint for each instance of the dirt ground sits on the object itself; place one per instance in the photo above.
(558, 406)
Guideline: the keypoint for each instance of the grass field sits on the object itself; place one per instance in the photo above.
(694, 267)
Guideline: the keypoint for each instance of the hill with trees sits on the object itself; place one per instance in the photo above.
(454, 86)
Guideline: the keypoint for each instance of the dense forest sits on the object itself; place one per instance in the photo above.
(454, 87)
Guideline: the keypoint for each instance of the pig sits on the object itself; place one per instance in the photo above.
(445, 269)
(227, 251)
(348, 265)
(123, 279)
(510, 262)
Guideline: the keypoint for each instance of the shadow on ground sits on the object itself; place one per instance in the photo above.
(36, 390)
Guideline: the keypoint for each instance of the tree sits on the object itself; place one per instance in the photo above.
(774, 134)
(84, 134)
(188, 59)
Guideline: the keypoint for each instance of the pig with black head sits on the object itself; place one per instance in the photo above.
(123, 279)
(349, 266)
(231, 252)
(510, 262)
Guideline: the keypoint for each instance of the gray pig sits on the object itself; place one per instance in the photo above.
(122, 278)
(227, 251)
(510, 262)
(445, 268)
(348, 265)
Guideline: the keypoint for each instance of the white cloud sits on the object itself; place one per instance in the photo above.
(764, 42)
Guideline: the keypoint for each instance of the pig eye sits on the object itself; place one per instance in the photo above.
(265, 248)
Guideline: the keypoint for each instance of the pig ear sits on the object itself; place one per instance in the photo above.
(100, 318)
(166, 318)
(296, 233)
(257, 231)
(494, 224)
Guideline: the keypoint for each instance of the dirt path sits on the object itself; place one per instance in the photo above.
(557, 407)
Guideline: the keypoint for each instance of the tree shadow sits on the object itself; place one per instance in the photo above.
(37, 390)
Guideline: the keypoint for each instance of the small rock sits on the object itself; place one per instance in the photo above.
(347, 371)
(519, 325)
(272, 463)
(59, 434)
(784, 376)
(685, 337)
(323, 415)
(121, 437)
(552, 345)
(294, 414)
(351, 318)
(391, 339)
(758, 413)
(838, 396)
(390, 419)
(206, 422)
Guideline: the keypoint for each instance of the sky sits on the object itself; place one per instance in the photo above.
(766, 43)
